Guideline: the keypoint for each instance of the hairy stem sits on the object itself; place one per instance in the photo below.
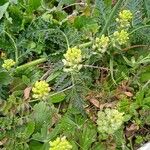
(30, 64)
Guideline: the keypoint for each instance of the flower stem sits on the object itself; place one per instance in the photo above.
(30, 64)
(146, 26)
(14, 44)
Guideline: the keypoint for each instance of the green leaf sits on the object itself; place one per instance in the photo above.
(146, 101)
(139, 97)
(88, 136)
(25, 80)
(35, 145)
(33, 5)
(57, 98)
(42, 135)
(86, 23)
(41, 114)
(66, 2)
(5, 78)
(13, 1)
(99, 146)
(52, 76)
(145, 76)
(29, 129)
(147, 6)
(3, 9)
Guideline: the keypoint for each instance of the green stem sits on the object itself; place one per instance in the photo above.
(111, 16)
(32, 63)
(85, 44)
(14, 44)
(65, 38)
(139, 28)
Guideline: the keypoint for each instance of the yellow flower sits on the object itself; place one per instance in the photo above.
(40, 89)
(60, 144)
(8, 64)
(121, 37)
(125, 15)
(124, 18)
(72, 60)
(101, 43)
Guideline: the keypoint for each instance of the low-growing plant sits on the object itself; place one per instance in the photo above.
(74, 75)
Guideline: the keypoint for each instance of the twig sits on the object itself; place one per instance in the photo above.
(96, 67)
(70, 87)
(73, 5)
(134, 46)
(46, 74)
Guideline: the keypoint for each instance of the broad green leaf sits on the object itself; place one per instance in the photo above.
(25, 80)
(29, 129)
(145, 76)
(2, 2)
(35, 145)
(57, 98)
(42, 135)
(3, 9)
(5, 78)
(41, 114)
(33, 5)
(88, 136)
(87, 23)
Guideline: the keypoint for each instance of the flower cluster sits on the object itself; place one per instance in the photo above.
(72, 60)
(124, 18)
(109, 121)
(40, 89)
(101, 44)
(60, 144)
(8, 64)
(121, 37)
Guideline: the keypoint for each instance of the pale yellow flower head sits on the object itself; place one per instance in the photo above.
(121, 37)
(73, 58)
(109, 121)
(60, 144)
(124, 19)
(101, 44)
(40, 89)
(8, 64)
(125, 15)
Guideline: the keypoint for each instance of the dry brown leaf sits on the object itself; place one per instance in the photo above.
(27, 92)
(129, 94)
(108, 105)
(95, 102)
(130, 130)
(3, 141)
